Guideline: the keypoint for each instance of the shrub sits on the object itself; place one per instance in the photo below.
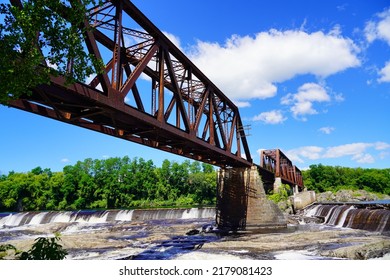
(281, 194)
(45, 248)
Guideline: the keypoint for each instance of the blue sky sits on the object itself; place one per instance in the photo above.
(310, 77)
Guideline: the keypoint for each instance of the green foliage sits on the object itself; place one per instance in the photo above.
(110, 183)
(321, 178)
(281, 194)
(45, 248)
(4, 248)
(37, 41)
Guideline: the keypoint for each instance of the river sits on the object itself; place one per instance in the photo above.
(191, 234)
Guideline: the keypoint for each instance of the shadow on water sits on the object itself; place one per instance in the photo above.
(179, 244)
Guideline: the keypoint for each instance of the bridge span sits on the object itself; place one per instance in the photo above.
(150, 93)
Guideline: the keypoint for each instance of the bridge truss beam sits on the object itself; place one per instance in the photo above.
(278, 163)
(149, 92)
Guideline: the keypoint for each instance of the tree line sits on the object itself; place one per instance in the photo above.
(321, 178)
(116, 183)
(111, 183)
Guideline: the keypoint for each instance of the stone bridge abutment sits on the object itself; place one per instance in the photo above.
(242, 204)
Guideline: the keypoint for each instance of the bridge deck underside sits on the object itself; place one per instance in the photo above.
(266, 175)
(87, 108)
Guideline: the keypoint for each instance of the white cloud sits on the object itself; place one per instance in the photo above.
(65, 160)
(242, 104)
(347, 149)
(310, 152)
(358, 152)
(302, 101)
(174, 39)
(384, 73)
(342, 7)
(378, 29)
(271, 117)
(363, 158)
(248, 67)
(381, 146)
(90, 78)
(327, 129)
(51, 65)
(370, 31)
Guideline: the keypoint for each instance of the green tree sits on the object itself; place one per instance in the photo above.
(163, 186)
(55, 185)
(109, 183)
(42, 38)
(328, 178)
(179, 179)
(203, 187)
(13, 190)
(207, 168)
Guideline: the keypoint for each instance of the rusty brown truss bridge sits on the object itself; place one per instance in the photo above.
(149, 93)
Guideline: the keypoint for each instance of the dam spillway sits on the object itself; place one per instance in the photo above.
(371, 215)
(102, 216)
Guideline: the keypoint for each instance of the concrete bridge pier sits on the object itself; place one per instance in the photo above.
(278, 184)
(242, 204)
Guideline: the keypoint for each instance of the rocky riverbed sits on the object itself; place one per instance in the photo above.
(307, 242)
(304, 238)
(168, 240)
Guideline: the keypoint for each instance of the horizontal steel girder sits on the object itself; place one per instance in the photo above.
(82, 106)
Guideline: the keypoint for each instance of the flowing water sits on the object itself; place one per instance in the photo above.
(371, 216)
(191, 234)
(104, 216)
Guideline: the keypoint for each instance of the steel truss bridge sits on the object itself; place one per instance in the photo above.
(149, 93)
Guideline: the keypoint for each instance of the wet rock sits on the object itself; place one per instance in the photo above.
(300, 219)
(361, 252)
(193, 232)
(285, 206)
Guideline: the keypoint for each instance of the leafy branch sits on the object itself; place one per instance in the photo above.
(45, 248)
(41, 39)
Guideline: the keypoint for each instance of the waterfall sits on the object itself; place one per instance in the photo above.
(102, 216)
(352, 216)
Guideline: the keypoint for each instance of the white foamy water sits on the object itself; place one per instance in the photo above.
(62, 217)
(37, 219)
(312, 211)
(344, 216)
(196, 213)
(12, 219)
(124, 215)
(93, 217)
